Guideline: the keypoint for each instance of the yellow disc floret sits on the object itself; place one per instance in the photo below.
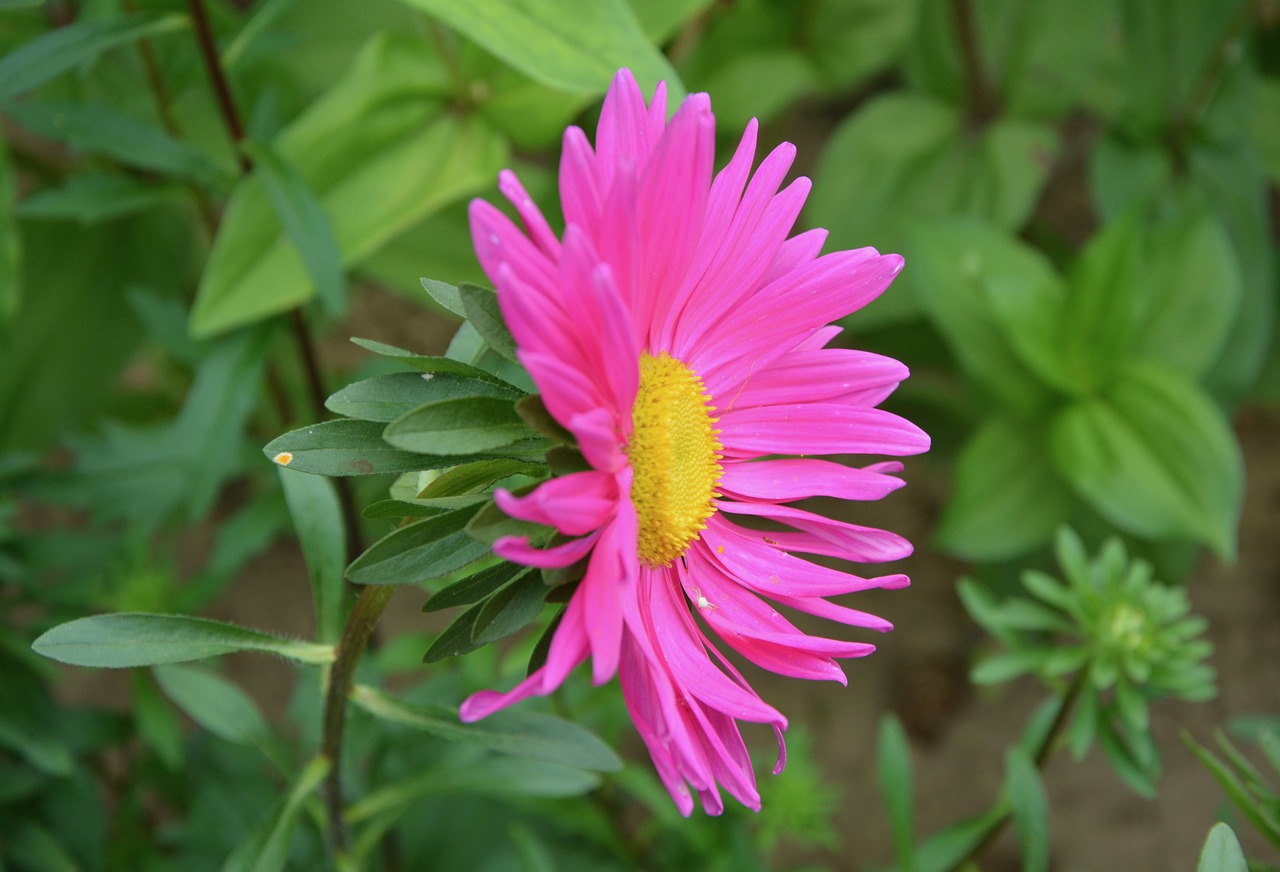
(675, 458)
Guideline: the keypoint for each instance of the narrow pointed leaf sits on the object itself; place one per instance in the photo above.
(317, 520)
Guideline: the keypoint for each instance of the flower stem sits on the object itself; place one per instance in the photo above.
(351, 647)
(983, 105)
(1043, 751)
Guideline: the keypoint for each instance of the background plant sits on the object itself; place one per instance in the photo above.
(198, 198)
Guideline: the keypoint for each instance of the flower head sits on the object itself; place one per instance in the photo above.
(681, 337)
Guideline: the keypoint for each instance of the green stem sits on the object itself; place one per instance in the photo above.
(1041, 755)
(351, 647)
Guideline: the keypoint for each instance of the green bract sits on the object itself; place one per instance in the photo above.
(1111, 637)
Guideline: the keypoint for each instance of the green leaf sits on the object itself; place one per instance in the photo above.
(448, 296)
(421, 551)
(157, 724)
(149, 473)
(1266, 126)
(347, 447)
(510, 610)
(91, 198)
(1190, 293)
(1222, 851)
(521, 734)
(574, 48)
(475, 587)
(1007, 498)
(438, 365)
(471, 477)
(465, 425)
(1007, 666)
(388, 397)
(65, 48)
(944, 850)
(380, 154)
(1155, 457)
(491, 523)
(533, 411)
(137, 639)
(10, 241)
(893, 764)
(848, 41)
(1099, 321)
(957, 263)
(267, 850)
(904, 158)
(214, 703)
(455, 639)
(100, 129)
(1030, 809)
(481, 308)
(317, 521)
(304, 222)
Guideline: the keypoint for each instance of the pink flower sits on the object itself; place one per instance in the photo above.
(681, 336)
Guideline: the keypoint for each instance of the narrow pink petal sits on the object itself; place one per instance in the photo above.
(798, 251)
(600, 439)
(852, 377)
(785, 480)
(498, 241)
(606, 587)
(534, 223)
(831, 611)
(574, 504)
(822, 535)
(671, 203)
(518, 550)
(581, 190)
(743, 555)
(644, 699)
(486, 702)
(566, 391)
(818, 428)
(623, 134)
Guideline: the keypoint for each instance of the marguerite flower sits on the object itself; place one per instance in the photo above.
(681, 336)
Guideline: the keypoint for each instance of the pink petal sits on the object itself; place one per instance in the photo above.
(574, 504)
(534, 224)
(581, 191)
(852, 377)
(822, 535)
(785, 480)
(606, 587)
(518, 550)
(818, 428)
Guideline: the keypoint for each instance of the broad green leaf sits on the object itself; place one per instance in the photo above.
(904, 158)
(31, 846)
(453, 427)
(214, 703)
(893, 764)
(475, 587)
(348, 447)
(1007, 497)
(91, 197)
(137, 639)
(317, 521)
(457, 638)
(378, 151)
(1030, 809)
(421, 551)
(1155, 457)
(480, 306)
(65, 48)
(1122, 173)
(305, 224)
(662, 18)
(1190, 293)
(758, 84)
(959, 265)
(574, 48)
(530, 735)
(1100, 318)
(1222, 852)
(510, 610)
(267, 850)
(100, 129)
(20, 732)
(1048, 51)
(388, 397)
(10, 241)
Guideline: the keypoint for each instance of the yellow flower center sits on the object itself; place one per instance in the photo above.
(675, 458)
